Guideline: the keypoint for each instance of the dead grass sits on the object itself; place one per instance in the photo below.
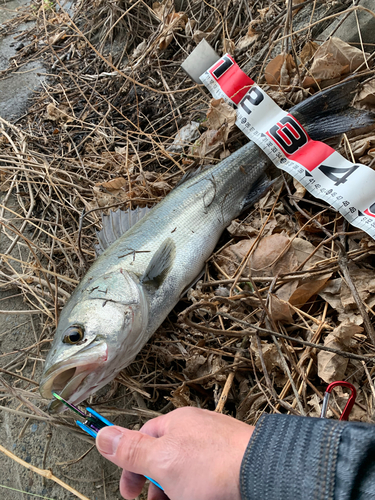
(255, 334)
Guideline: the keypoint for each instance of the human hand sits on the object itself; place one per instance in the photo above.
(193, 454)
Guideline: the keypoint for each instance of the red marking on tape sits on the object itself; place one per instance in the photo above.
(312, 154)
(232, 80)
(367, 212)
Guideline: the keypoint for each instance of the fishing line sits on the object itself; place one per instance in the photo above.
(25, 492)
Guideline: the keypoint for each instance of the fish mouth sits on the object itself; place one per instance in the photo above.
(67, 378)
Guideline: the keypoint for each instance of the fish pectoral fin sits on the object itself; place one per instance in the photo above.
(160, 263)
(115, 225)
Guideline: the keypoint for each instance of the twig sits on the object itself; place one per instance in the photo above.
(44, 473)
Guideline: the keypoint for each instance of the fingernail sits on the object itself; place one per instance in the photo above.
(108, 440)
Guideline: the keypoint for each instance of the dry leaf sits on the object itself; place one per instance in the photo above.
(270, 355)
(181, 397)
(308, 51)
(199, 35)
(163, 9)
(300, 189)
(366, 97)
(208, 142)
(229, 46)
(303, 249)
(280, 310)
(114, 184)
(200, 366)
(231, 257)
(165, 12)
(280, 71)
(278, 96)
(305, 291)
(241, 229)
(139, 50)
(58, 114)
(274, 255)
(361, 146)
(333, 59)
(332, 366)
(189, 28)
(316, 404)
(221, 115)
(220, 122)
(251, 36)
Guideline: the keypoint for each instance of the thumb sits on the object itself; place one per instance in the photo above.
(130, 450)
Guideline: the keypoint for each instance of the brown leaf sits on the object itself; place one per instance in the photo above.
(305, 291)
(308, 51)
(177, 21)
(366, 97)
(300, 189)
(333, 59)
(332, 366)
(280, 71)
(273, 255)
(200, 366)
(228, 46)
(231, 257)
(114, 184)
(271, 357)
(280, 310)
(241, 229)
(181, 397)
(58, 114)
(162, 9)
(251, 36)
(221, 116)
(364, 282)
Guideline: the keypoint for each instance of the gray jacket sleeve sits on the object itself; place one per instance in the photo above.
(304, 458)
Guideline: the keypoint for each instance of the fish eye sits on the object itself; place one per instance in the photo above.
(73, 335)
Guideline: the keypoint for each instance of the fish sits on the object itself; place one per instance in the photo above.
(149, 257)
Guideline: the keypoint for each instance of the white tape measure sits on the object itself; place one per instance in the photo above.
(348, 187)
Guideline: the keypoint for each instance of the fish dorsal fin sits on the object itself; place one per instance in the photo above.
(160, 263)
(115, 225)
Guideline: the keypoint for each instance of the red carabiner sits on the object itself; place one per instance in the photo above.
(349, 404)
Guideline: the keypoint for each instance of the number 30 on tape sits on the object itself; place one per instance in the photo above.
(348, 187)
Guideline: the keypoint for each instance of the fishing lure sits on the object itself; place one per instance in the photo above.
(93, 423)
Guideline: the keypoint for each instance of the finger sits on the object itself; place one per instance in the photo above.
(130, 450)
(154, 427)
(155, 493)
(131, 484)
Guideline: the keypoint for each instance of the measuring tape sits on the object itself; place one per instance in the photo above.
(348, 187)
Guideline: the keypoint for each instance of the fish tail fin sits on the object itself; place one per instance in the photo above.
(328, 114)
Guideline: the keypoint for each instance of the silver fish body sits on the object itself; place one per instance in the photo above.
(138, 279)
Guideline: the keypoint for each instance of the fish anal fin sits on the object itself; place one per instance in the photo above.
(115, 225)
(160, 264)
(258, 190)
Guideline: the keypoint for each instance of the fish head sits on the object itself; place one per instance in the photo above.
(100, 331)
